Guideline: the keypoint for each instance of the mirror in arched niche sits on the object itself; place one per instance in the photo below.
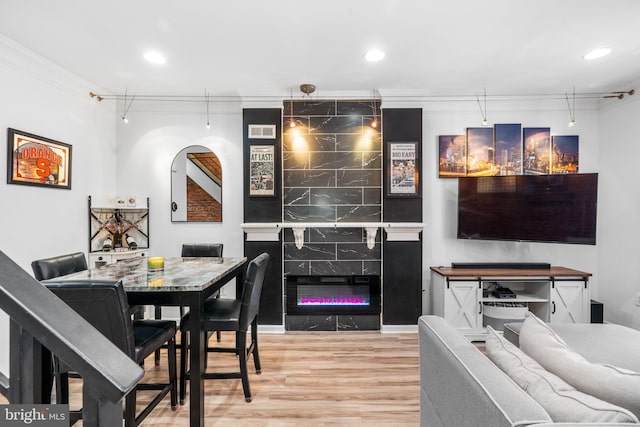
(196, 186)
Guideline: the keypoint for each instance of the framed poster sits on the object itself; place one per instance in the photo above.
(403, 169)
(261, 170)
(564, 154)
(39, 161)
(452, 156)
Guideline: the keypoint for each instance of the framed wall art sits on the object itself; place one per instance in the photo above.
(404, 175)
(261, 171)
(452, 155)
(536, 156)
(480, 152)
(564, 154)
(35, 160)
(508, 143)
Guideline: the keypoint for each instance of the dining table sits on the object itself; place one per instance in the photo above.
(183, 281)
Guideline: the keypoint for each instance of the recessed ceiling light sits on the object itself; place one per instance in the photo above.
(155, 57)
(374, 55)
(598, 53)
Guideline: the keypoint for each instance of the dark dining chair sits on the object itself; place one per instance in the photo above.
(50, 268)
(104, 304)
(195, 250)
(239, 315)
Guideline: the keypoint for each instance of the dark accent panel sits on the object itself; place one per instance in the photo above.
(336, 124)
(402, 283)
(335, 160)
(296, 196)
(355, 142)
(322, 142)
(311, 323)
(311, 108)
(353, 235)
(336, 196)
(310, 178)
(400, 125)
(358, 213)
(310, 251)
(359, 178)
(297, 267)
(371, 160)
(371, 267)
(354, 251)
(262, 209)
(597, 312)
(372, 196)
(361, 108)
(310, 213)
(361, 322)
(271, 307)
(292, 160)
(320, 268)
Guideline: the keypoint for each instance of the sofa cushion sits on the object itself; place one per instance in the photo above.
(612, 384)
(563, 402)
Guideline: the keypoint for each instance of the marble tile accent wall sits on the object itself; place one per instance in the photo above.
(332, 172)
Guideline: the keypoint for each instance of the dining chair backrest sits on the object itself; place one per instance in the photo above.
(202, 249)
(49, 268)
(252, 289)
(103, 304)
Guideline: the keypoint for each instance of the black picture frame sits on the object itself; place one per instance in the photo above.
(403, 169)
(37, 161)
(262, 177)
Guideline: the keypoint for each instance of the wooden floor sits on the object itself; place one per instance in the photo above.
(311, 379)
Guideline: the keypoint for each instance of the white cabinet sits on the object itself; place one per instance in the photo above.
(96, 259)
(557, 294)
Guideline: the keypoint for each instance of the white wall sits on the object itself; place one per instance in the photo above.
(40, 98)
(441, 247)
(147, 146)
(619, 211)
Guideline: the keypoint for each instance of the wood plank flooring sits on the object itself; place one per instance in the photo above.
(312, 379)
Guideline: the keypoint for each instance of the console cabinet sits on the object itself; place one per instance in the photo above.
(556, 294)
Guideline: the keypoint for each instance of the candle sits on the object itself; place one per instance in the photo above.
(155, 262)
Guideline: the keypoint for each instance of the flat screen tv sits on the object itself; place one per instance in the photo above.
(529, 208)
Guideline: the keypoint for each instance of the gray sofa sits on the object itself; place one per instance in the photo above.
(461, 387)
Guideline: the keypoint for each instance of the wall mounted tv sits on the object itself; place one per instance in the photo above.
(529, 208)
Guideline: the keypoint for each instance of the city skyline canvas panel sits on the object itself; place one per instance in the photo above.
(480, 152)
(508, 153)
(565, 154)
(536, 156)
(452, 155)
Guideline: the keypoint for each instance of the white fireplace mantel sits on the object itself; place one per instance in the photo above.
(270, 231)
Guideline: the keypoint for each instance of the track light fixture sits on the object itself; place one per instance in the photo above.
(126, 107)
(483, 111)
(374, 110)
(621, 94)
(206, 96)
(572, 108)
(292, 121)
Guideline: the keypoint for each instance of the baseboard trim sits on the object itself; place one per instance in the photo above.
(399, 329)
(271, 329)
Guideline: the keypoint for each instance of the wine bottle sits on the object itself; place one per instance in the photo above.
(107, 244)
(130, 242)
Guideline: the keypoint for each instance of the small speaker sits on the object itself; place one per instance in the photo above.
(503, 265)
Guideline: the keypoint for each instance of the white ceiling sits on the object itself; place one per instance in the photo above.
(270, 47)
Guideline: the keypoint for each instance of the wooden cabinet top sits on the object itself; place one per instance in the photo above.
(553, 271)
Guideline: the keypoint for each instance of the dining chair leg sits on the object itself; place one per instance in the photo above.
(157, 315)
(130, 409)
(184, 355)
(242, 352)
(171, 352)
(254, 346)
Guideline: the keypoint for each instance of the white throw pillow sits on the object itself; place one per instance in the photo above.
(562, 402)
(612, 384)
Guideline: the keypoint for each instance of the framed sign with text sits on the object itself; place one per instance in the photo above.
(39, 161)
(403, 161)
(262, 170)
